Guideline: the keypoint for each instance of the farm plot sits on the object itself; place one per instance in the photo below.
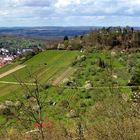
(45, 66)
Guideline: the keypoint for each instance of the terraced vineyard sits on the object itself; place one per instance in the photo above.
(55, 66)
(46, 66)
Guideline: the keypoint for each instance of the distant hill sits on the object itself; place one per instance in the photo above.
(46, 31)
(137, 28)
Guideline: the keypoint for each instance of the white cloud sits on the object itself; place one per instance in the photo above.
(69, 12)
(65, 3)
(3, 13)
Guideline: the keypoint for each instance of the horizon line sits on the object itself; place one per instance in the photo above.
(64, 26)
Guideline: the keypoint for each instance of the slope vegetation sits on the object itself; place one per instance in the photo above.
(45, 66)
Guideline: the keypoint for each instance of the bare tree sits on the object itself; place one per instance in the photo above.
(30, 108)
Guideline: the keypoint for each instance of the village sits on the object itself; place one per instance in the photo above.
(7, 56)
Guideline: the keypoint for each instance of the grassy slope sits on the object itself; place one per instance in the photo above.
(57, 62)
(8, 67)
(75, 97)
(9, 91)
(91, 71)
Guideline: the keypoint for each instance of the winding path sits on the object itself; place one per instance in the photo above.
(16, 83)
(12, 70)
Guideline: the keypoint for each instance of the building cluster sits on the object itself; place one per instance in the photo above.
(5, 58)
(8, 55)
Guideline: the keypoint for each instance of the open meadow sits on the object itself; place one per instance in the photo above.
(45, 66)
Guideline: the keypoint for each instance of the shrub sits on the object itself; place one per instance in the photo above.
(59, 91)
(135, 79)
(101, 63)
(64, 104)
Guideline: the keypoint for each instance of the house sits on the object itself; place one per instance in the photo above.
(5, 60)
(25, 50)
(4, 51)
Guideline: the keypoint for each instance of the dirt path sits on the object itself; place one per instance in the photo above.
(16, 83)
(64, 75)
(12, 70)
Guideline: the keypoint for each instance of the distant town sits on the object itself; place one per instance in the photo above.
(12, 47)
(7, 55)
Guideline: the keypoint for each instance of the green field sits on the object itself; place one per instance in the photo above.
(60, 100)
(8, 67)
(48, 65)
(44, 66)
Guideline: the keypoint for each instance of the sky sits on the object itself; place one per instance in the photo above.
(69, 13)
